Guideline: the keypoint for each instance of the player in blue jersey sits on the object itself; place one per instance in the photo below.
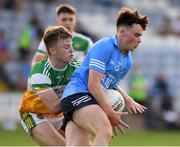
(84, 100)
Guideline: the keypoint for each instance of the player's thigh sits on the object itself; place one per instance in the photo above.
(91, 118)
(76, 135)
(42, 129)
(45, 134)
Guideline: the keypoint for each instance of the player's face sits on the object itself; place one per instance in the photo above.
(67, 20)
(132, 37)
(64, 50)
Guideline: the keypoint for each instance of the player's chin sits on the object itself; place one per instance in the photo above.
(70, 58)
(133, 49)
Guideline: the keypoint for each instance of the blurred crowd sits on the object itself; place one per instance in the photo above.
(14, 69)
(157, 98)
(169, 27)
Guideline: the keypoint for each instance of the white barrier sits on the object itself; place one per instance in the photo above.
(9, 103)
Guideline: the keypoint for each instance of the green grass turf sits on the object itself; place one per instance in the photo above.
(148, 138)
(130, 138)
(15, 138)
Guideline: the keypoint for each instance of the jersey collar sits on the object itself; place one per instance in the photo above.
(57, 69)
(115, 41)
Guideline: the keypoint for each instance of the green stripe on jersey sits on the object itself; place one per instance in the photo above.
(28, 120)
(40, 51)
(40, 86)
(43, 75)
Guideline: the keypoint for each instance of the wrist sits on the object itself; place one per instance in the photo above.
(108, 110)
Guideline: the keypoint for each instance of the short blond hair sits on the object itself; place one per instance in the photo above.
(54, 33)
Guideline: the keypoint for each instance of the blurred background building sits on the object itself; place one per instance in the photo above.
(158, 58)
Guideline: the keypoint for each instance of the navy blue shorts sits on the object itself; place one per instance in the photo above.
(74, 102)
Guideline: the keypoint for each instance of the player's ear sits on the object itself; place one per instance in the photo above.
(122, 30)
(52, 50)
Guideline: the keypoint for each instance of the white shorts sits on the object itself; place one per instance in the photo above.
(30, 120)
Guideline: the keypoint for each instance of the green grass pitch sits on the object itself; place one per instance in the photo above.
(130, 138)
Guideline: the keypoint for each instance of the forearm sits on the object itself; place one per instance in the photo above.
(51, 101)
(124, 94)
(100, 96)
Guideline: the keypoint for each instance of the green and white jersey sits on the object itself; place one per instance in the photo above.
(44, 76)
(81, 44)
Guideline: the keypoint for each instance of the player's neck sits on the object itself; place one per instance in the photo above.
(122, 48)
(123, 51)
(56, 64)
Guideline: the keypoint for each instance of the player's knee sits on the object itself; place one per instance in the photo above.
(106, 131)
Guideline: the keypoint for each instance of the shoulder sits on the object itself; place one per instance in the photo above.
(40, 73)
(39, 67)
(104, 44)
(81, 36)
(102, 50)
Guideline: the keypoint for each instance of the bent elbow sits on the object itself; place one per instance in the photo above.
(52, 111)
(55, 110)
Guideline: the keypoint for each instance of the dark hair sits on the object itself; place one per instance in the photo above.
(128, 17)
(65, 8)
(54, 33)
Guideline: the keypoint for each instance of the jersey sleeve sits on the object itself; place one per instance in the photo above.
(40, 83)
(42, 48)
(100, 55)
(39, 80)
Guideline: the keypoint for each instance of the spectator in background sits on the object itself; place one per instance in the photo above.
(138, 89)
(176, 26)
(110, 3)
(12, 4)
(66, 16)
(160, 100)
(160, 86)
(165, 27)
(80, 29)
(168, 115)
(4, 48)
(4, 58)
(31, 34)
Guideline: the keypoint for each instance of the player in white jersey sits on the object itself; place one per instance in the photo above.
(40, 110)
(66, 16)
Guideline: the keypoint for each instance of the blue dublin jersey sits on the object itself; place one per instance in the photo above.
(106, 58)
